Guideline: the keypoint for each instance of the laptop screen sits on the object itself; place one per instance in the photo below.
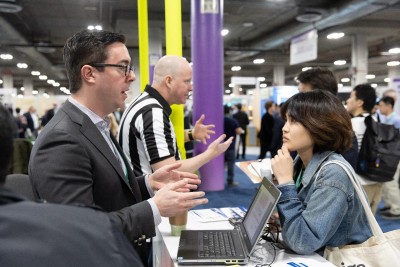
(259, 212)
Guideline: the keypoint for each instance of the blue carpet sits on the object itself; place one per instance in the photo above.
(241, 196)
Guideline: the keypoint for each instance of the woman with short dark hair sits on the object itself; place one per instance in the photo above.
(327, 212)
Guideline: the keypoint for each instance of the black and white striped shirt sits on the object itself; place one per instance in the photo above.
(146, 133)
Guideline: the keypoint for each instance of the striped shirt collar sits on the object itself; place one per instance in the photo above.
(154, 93)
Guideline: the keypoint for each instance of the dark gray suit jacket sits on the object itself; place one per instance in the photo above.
(72, 163)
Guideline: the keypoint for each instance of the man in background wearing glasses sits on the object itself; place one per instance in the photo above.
(76, 160)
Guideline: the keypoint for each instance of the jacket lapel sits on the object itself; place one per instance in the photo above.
(92, 133)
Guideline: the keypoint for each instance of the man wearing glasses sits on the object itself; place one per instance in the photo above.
(76, 160)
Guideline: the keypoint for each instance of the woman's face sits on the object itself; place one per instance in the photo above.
(296, 137)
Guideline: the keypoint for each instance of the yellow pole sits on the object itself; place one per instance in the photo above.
(173, 38)
(143, 30)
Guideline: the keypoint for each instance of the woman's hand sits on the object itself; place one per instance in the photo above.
(282, 166)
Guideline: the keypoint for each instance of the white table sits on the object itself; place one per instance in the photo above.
(165, 248)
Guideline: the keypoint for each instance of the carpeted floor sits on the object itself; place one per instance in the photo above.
(241, 195)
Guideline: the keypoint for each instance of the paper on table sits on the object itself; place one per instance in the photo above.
(253, 168)
(218, 214)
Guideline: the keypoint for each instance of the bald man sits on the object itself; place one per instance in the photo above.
(146, 132)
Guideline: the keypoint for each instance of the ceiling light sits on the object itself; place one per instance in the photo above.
(56, 84)
(236, 68)
(258, 61)
(22, 88)
(309, 15)
(231, 85)
(395, 50)
(250, 92)
(51, 81)
(9, 6)
(42, 77)
(393, 63)
(335, 35)
(345, 80)
(340, 85)
(370, 76)
(386, 80)
(22, 65)
(339, 62)
(261, 79)
(306, 68)
(6, 56)
(95, 27)
(240, 89)
(20, 96)
(227, 91)
(248, 24)
(35, 92)
(263, 85)
(374, 85)
(1, 81)
(35, 73)
(224, 32)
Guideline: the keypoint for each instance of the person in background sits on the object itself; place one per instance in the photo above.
(231, 129)
(324, 79)
(276, 142)
(243, 120)
(266, 130)
(42, 234)
(76, 160)
(391, 190)
(389, 92)
(359, 105)
(49, 114)
(32, 120)
(113, 124)
(316, 213)
(147, 134)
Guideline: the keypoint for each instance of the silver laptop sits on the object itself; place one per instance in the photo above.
(235, 246)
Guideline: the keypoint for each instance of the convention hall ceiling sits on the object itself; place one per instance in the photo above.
(257, 29)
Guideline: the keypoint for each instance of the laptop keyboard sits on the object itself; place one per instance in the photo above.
(216, 244)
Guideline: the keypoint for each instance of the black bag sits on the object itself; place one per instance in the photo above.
(380, 151)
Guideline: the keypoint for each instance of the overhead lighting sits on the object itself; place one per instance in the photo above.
(335, 35)
(236, 68)
(248, 24)
(258, 61)
(42, 77)
(95, 27)
(6, 56)
(261, 79)
(240, 89)
(393, 63)
(370, 76)
(35, 92)
(395, 50)
(224, 32)
(306, 68)
(1, 81)
(374, 85)
(227, 91)
(231, 85)
(22, 88)
(22, 65)
(51, 81)
(250, 92)
(386, 80)
(35, 73)
(263, 85)
(345, 80)
(9, 7)
(340, 85)
(339, 62)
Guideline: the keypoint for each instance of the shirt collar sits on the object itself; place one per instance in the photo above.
(96, 119)
(154, 93)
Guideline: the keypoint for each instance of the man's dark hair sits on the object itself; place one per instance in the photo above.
(387, 100)
(6, 141)
(367, 94)
(227, 109)
(86, 47)
(319, 78)
(239, 106)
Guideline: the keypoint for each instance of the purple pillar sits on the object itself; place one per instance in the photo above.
(207, 58)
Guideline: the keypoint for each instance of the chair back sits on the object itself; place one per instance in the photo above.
(20, 184)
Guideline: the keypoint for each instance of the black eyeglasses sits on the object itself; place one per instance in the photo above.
(126, 68)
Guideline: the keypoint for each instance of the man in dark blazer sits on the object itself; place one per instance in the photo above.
(43, 234)
(76, 160)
